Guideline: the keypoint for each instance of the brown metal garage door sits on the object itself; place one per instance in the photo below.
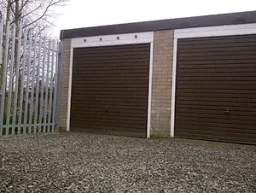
(110, 89)
(216, 89)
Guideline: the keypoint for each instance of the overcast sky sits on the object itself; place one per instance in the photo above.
(84, 13)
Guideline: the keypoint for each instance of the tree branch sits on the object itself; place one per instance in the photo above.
(52, 3)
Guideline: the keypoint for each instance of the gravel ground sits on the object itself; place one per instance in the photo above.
(76, 162)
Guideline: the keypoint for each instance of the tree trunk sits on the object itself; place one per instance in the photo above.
(16, 65)
(17, 22)
(8, 14)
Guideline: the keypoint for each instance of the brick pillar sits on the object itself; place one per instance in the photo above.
(66, 43)
(162, 83)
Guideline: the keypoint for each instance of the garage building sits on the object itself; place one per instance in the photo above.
(188, 77)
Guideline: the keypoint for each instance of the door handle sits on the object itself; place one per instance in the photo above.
(227, 111)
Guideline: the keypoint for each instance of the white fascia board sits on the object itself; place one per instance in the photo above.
(117, 39)
(225, 30)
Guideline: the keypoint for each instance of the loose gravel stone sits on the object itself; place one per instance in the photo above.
(78, 162)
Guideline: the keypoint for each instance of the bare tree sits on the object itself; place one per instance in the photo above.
(30, 11)
(36, 14)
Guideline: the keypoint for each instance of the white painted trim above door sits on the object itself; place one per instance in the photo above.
(226, 30)
(111, 40)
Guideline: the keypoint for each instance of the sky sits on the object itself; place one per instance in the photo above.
(85, 13)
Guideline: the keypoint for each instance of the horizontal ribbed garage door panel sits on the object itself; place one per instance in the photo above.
(114, 60)
(110, 76)
(218, 99)
(214, 116)
(219, 87)
(216, 82)
(113, 82)
(115, 104)
(224, 91)
(201, 46)
(216, 70)
(222, 137)
(217, 107)
(218, 42)
(203, 104)
(216, 95)
(117, 100)
(110, 89)
(128, 117)
(231, 74)
(213, 57)
(106, 69)
(125, 108)
(214, 41)
(215, 74)
(215, 132)
(106, 63)
(125, 120)
(226, 123)
(217, 78)
(215, 136)
(118, 54)
(247, 53)
(118, 50)
(114, 96)
(221, 49)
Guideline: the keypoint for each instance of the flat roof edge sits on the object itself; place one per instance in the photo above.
(166, 24)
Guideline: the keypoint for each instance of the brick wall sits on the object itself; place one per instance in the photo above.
(64, 83)
(162, 83)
